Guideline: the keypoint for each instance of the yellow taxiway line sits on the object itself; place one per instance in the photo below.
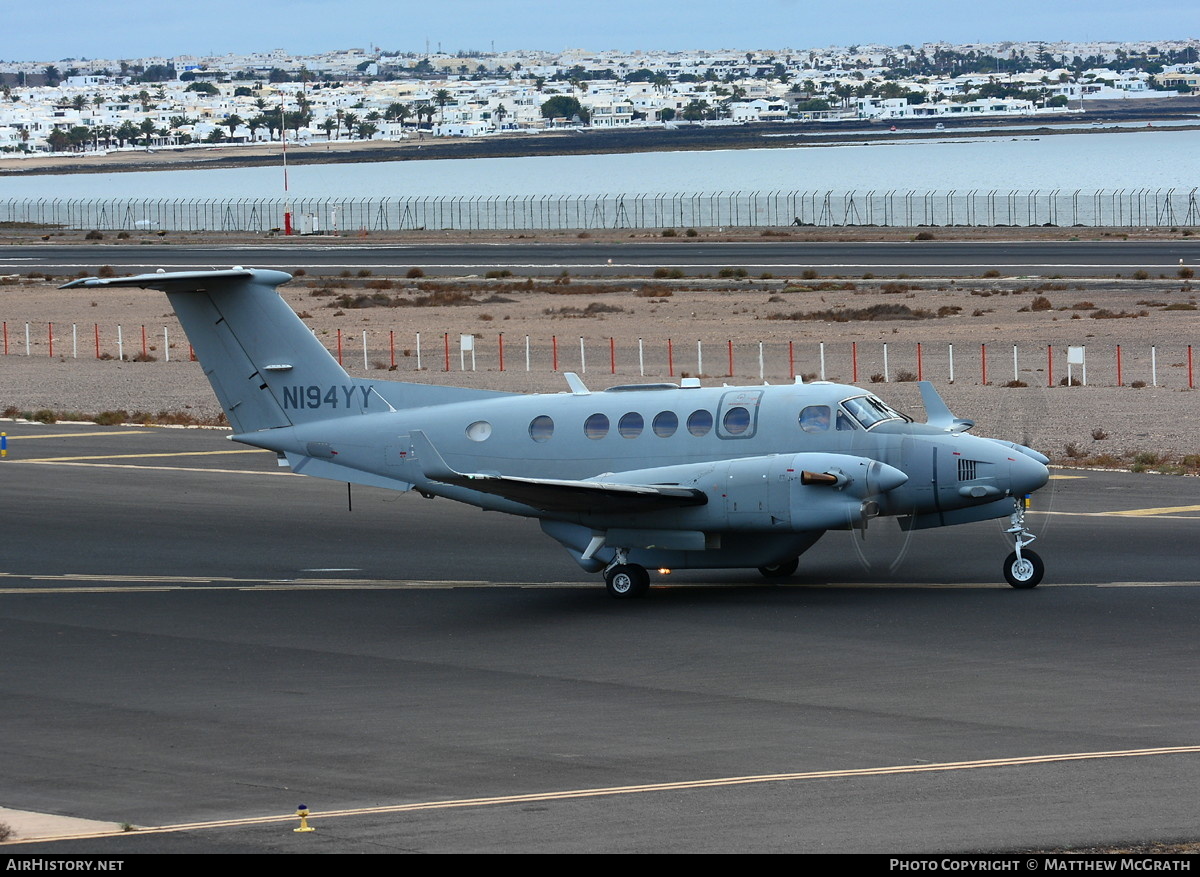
(137, 456)
(682, 785)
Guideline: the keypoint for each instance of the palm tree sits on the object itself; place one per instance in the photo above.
(232, 122)
(441, 98)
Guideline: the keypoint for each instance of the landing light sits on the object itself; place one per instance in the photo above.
(663, 571)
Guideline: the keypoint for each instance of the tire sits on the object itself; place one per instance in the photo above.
(780, 570)
(1024, 573)
(627, 580)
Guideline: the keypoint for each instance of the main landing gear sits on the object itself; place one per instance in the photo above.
(626, 579)
(780, 570)
(1022, 568)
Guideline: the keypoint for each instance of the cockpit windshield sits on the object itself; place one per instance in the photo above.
(870, 410)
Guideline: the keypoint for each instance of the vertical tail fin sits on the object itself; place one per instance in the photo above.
(265, 366)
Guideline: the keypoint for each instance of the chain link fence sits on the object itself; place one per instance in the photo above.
(906, 209)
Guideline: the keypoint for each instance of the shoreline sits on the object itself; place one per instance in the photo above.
(591, 141)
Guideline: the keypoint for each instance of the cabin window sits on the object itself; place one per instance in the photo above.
(541, 428)
(479, 431)
(596, 426)
(665, 424)
(815, 418)
(630, 425)
(699, 422)
(736, 420)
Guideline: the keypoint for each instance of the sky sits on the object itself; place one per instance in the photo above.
(76, 29)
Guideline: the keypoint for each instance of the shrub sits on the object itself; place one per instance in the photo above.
(1040, 303)
(923, 236)
(669, 233)
(905, 377)
(111, 418)
(1186, 273)
(94, 235)
(691, 232)
(1141, 275)
(415, 272)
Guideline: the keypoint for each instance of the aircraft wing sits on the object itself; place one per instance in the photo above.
(557, 495)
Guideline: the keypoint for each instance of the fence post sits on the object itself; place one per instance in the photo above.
(554, 353)
(670, 359)
(418, 351)
(791, 361)
(50, 337)
(983, 363)
(366, 366)
(166, 346)
(920, 373)
(730, 357)
(6, 337)
(612, 355)
(501, 348)
(1049, 365)
(950, 354)
(120, 345)
(822, 360)
(446, 340)
(144, 353)
(1120, 383)
(854, 362)
(339, 346)
(1154, 365)
(641, 359)
(886, 377)
(1191, 386)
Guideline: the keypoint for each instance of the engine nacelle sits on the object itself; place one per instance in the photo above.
(797, 492)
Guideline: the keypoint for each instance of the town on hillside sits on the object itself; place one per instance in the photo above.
(89, 106)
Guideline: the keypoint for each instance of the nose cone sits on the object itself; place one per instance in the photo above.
(1026, 474)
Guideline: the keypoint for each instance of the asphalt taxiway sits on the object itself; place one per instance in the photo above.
(196, 642)
(622, 258)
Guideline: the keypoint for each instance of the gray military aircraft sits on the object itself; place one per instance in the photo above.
(645, 475)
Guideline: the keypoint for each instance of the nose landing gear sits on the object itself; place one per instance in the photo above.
(1022, 568)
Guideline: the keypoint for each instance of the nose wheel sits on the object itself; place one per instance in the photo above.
(1022, 568)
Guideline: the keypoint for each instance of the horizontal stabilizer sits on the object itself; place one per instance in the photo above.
(557, 495)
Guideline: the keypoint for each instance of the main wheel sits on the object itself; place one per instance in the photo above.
(1025, 572)
(627, 580)
(780, 570)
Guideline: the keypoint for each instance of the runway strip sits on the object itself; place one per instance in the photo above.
(716, 782)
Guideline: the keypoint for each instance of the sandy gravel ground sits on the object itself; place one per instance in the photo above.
(662, 329)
